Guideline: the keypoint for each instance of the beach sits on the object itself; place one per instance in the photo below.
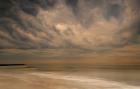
(25, 78)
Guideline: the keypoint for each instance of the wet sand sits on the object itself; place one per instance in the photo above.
(33, 79)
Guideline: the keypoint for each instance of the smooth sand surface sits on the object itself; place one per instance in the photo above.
(56, 80)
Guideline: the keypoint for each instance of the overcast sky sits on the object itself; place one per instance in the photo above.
(97, 25)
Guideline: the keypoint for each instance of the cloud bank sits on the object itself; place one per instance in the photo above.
(96, 24)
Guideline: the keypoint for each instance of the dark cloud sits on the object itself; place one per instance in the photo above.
(68, 23)
(28, 6)
(45, 4)
(5, 6)
(114, 10)
(95, 3)
(73, 4)
(135, 4)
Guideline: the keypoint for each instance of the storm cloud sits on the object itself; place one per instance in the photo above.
(90, 24)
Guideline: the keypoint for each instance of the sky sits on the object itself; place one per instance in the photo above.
(38, 31)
